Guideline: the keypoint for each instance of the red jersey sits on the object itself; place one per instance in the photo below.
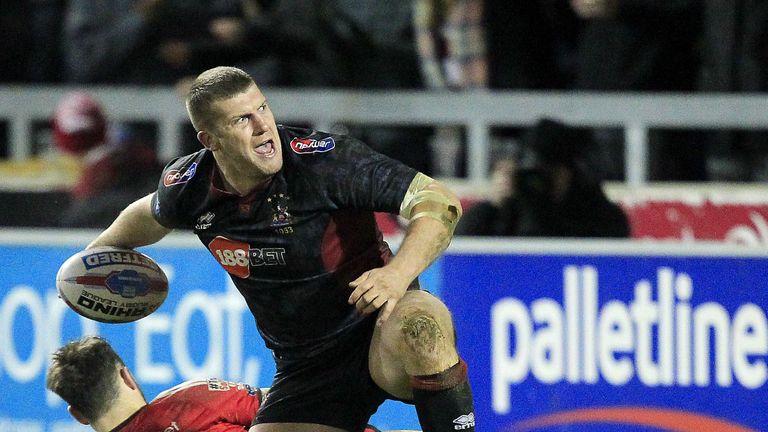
(213, 405)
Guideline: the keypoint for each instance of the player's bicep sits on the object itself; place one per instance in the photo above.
(135, 226)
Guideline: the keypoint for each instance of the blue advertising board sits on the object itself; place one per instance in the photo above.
(566, 336)
(621, 340)
(202, 330)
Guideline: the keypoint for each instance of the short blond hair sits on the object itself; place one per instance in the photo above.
(218, 83)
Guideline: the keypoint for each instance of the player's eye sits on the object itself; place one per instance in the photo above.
(263, 107)
(241, 119)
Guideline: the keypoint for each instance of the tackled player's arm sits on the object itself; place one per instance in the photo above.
(134, 227)
(433, 212)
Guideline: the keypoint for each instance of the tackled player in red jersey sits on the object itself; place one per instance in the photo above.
(102, 392)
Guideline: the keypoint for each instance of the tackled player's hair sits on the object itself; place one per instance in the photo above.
(221, 82)
(84, 373)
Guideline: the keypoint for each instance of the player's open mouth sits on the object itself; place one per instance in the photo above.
(267, 148)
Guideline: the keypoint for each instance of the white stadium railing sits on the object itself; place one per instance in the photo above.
(477, 110)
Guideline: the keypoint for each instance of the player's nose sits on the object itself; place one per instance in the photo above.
(261, 125)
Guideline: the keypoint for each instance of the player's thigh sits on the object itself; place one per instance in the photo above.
(293, 427)
(386, 357)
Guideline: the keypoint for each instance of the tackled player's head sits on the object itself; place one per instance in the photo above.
(85, 373)
(214, 84)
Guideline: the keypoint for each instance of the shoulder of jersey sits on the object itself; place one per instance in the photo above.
(186, 385)
(310, 142)
(183, 169)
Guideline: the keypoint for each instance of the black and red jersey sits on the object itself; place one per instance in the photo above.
(212, 405)
(293, 246)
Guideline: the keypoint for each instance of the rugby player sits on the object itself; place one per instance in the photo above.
(289, 214)
(101, 392)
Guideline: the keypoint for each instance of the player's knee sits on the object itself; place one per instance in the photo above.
(421, 333)
(425, 329)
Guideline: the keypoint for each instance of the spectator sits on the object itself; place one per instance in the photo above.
(118, 167)
(265, 36)
(734, 58)
(15, 40)
(375, 50)
(257, 40)
(450, 42)
(530, 44)
(641, 45)
(144, 41)
(45, 57)
(636, 44)
(498, 215)
(295, 34)
(498, 44)
(558, 196)
(494, 43)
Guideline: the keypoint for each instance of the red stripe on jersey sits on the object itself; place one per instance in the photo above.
(352, 244)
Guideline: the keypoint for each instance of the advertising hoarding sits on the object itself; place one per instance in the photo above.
(559, 335)
(581, 337)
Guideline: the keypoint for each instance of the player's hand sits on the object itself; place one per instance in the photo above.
(380, 288)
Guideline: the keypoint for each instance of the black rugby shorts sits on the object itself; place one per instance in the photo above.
(332, 388)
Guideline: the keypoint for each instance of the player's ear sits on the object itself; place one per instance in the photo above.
(77, 415)
(128, 379)
(207, 140)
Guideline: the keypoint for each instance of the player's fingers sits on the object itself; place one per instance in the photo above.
(359, 279)
(356, 294)
(361, 285)
(386, 310)
(366, 299)
(360, 291)
(374, 305)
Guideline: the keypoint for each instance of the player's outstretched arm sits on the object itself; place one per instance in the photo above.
(433, 211)
(134, 227)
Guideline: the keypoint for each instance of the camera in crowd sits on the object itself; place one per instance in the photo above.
(553, 156)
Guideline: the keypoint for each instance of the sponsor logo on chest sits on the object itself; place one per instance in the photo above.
(237, 258)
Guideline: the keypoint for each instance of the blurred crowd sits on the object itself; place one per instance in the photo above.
(595, 45)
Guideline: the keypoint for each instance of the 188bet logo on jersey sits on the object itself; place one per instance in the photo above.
(237, 258)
